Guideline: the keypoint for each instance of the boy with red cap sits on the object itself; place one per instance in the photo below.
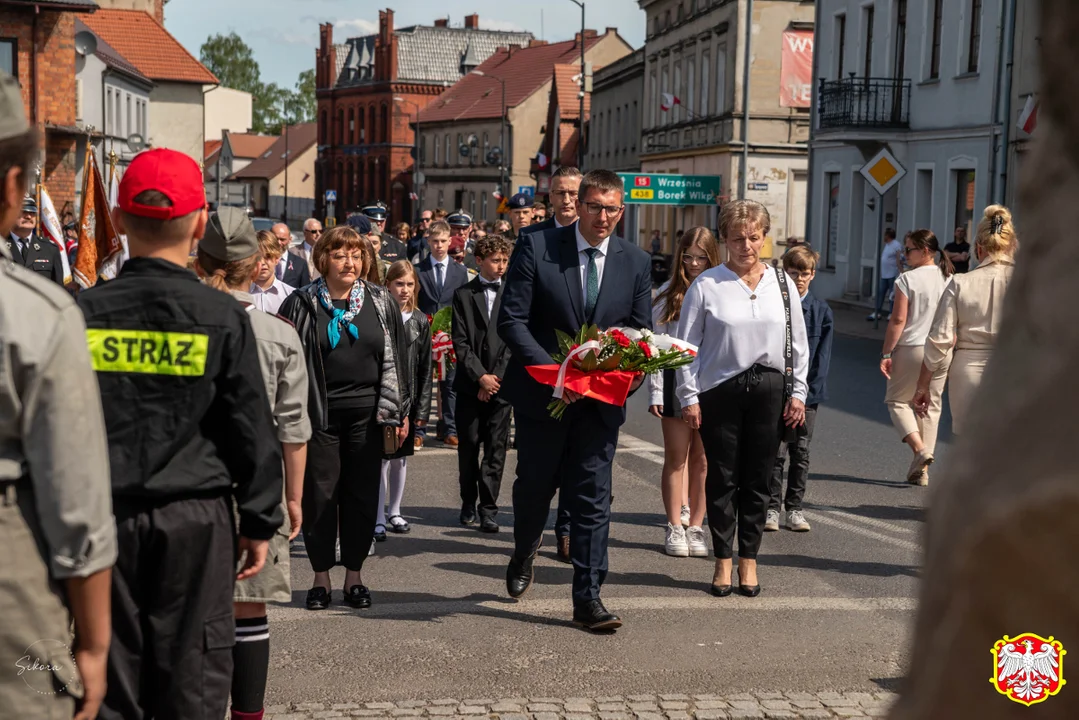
(190, 437)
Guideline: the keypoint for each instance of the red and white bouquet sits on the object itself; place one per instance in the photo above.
(602, 364)
(442, 351)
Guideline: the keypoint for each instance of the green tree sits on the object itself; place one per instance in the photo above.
(231, 60)
(303, 105)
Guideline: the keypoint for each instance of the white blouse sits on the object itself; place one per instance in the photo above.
(735, 328)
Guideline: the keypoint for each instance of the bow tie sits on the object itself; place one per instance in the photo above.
(492, 285)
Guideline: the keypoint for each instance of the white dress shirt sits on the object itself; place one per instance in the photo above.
(582, 258)
(22, 243)
(736, 328)
(270, 299)
(490, 292)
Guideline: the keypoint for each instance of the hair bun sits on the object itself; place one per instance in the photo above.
(999, 211)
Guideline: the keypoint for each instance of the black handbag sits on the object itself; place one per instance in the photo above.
(788, 434)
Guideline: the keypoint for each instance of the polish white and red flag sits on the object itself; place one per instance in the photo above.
(1028, 119)
(668, 102)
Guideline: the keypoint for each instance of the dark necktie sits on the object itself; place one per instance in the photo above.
(591, 283)
(439, 282)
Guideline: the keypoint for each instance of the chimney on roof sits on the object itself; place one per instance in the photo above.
(442, 22)
(587, 33)
(536, 43)
(472, 22)
(610, 31)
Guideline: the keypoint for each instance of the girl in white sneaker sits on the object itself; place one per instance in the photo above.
(684, 466)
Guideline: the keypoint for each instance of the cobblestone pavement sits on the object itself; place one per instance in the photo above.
(633, 707)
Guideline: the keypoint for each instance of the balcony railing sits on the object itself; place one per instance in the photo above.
(864, 103)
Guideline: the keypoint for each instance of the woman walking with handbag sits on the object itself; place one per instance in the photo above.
(353, 341)
(917, 292)
(684, 465)
(745, 389)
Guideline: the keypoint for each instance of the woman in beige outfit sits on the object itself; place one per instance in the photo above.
(969, 317)
(917, 292)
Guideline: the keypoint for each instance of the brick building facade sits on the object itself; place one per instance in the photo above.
(38, 47)
(365, 140)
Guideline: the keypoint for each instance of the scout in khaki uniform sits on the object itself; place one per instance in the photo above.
(191, 445)
(56, 527)
(228, 258)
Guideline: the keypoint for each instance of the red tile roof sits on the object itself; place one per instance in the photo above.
(525, 70)
(209, 150)
(250, 145)
(565, 90)
(272, 162)
(148, 46)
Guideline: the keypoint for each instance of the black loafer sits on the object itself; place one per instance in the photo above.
(722, 590)
(318, 598)
(593, 616)
(359, 597)
(519, 576)
(468, 515)
(488, 525)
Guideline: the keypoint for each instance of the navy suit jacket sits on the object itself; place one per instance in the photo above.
(818, 318)
(431, 301)
(543, 292)
(296, 273)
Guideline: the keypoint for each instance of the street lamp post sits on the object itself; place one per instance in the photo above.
(419, 159)
(501, 133)
(580, 96)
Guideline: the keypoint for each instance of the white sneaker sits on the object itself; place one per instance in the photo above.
(697, 540)
(676, 545)
(796, 521)
(771, 521)
(685, 516)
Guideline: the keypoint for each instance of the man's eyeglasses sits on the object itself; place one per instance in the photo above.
(694, 260)
(596, 209)
(313, 232)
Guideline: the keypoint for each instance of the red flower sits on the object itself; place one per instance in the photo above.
(645, 349)
(619, 337)
(575, 346)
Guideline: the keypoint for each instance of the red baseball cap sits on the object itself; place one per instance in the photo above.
(173, 174)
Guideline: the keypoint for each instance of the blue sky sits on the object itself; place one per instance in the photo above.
(284, 33)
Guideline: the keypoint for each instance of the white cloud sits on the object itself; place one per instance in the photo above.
(504, 25)
(354, 28)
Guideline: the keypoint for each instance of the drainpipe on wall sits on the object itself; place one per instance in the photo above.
(810, 172)
(1004, 117)
(744, 185)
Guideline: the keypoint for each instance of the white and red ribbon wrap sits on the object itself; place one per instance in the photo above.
(579, 351)
(441, 351)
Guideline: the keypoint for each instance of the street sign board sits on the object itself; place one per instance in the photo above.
(528, 190)
(331, 196)
(883, 171)
(670, 189)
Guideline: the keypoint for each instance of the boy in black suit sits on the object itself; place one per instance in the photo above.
(440, 277)
(483, 417)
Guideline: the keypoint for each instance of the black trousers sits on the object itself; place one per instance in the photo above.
(340, 490)
(172, 621)
(740, 430)
(799, 468)
(575, 454)
(485, 424)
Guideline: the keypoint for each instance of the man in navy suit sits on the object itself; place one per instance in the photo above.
(560, 279)
(440, 276)
(291, 268)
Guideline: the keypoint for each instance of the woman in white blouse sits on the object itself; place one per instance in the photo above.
(684, 463)
(968, 318)
(734, 390)
(917, 292)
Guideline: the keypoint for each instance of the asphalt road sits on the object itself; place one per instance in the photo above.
(835, 611)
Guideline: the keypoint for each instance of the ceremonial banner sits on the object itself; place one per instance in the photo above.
(796, 69)
(98, 241)
(51, 230)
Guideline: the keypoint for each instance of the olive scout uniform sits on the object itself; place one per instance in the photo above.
(55, 515)
(231, 236)
(190, 434)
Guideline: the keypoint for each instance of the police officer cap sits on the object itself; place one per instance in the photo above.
(13, 121)
(459, 219)
(229, 236)
(360, 224)
(375, 212)
(520, 201)
(29, 205)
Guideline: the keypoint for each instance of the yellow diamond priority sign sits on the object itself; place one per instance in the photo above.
(883, 171)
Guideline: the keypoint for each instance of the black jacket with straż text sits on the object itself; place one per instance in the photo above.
(184, 400)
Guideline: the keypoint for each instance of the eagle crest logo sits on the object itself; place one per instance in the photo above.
(1028, 669)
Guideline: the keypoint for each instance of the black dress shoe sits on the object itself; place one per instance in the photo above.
(358, 596)
(722, 590)
(468, 515)
(318, 598)
(488, 525)
(593, 616)
(519, 576)
(750, 590)
(380, 534)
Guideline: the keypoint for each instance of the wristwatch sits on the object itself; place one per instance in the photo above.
(885, 356)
